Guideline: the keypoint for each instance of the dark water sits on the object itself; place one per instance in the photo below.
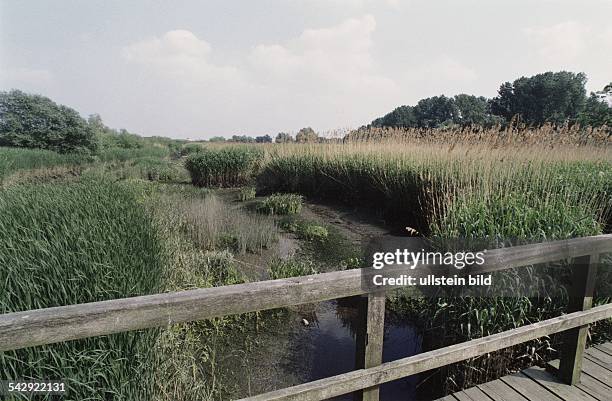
(328, 347)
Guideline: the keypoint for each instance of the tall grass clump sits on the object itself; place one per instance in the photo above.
(224, 167)
(72, 243)
(281, 204)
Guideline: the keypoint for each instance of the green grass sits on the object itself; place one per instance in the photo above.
(280, 268)
(18, 159)
(224, 167)
(71, 243)
(247, 194)
(281, 204)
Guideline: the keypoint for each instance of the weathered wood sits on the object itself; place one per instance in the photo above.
(506, 258)
(564, 391)
(364, 378)
(529, 388)
(46, 326)
(472, 394)
(580, 298)
(597, 371)
(607, 348)
(599, 357)
(374, 339)
(497, 390)
(600, 390)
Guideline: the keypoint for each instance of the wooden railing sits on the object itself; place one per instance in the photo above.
(57, 324)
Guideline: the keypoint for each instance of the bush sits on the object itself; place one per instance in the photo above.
(247, 193)
(33, 121)
(281, 204)
(79, 242)
(225, 167)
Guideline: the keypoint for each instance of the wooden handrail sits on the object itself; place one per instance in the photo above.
(57, 324)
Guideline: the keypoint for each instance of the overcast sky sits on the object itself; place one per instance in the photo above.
(202, 68)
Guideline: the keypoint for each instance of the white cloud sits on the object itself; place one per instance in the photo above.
(563, 42)
(323, 75)
(179, 53)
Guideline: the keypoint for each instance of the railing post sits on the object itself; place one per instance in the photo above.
(580, 298)
(370, 341)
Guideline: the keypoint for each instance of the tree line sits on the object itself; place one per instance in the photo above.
(552, 97)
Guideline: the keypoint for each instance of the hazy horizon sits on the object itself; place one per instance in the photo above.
(197, 70)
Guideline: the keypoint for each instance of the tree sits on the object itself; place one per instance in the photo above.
(306, 135)
(435, 112)
(401, 117)
(474, 110)
(217, 139)
(263, 139)
(598, 109)
(555, 97)
(283, 137)
(34, 121)
(242, 138)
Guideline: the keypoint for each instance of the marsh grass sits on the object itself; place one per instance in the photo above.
(224, 167)
(280, 204)
(69, 243)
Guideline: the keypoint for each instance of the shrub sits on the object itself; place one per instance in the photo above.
(225, 167)
(280, 268)
(63, 244)
(247, 193)
(281, 204)
(34, 121)
(314, 232)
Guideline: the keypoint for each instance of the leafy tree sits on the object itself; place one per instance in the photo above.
(111, 138)
(34, 121)
(598, 109)
(555, 97)
(242, 138)
(435, 111)
(306, 135)
(283, 137)
(263, 139)
(474, 110)
(217, 139)
(402, 116)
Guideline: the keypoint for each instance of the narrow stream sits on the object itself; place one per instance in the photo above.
(327, 347)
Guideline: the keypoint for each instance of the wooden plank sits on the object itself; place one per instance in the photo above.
(606, 347)
(472, 394)
(447, 398)
(374, 338)
(46, 326)
(580, 298)
(359, 379)
(597, 371)
(553, 384)
(590, 385)
(528, 388)
(599, 357)
(497, 390)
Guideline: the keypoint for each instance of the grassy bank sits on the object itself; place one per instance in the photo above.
(62, 244)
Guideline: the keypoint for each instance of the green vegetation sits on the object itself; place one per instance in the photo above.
(551, 97)
(15, 159)
(63, 244)
(280, 268)
(226, 167)
(247, 194)
(33, 121)
(281, 204)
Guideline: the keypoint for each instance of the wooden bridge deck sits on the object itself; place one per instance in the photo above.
(538, 384)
